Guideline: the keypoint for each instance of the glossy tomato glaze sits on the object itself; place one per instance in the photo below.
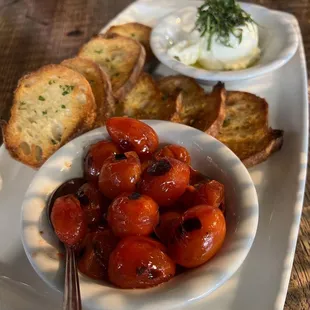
(141, 213)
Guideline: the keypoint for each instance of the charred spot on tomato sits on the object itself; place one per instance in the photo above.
(154, 273)
(83, 199)
(120, 156)
(134, 196)
(160, 167)
(191, 224)
(141, 270)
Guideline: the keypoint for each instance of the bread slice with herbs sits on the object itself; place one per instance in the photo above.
(194, 107)
(100, 84)
(145, 101)
(245, 130)
(50, 106)
(136, 31)
(121, 58)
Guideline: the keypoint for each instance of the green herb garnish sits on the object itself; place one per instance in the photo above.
(22, 103)
(221, 18)
(63, 106)
(53, 141)
(98, 51)
(226, 122)
(177, 58)
(164, 97)
(41, 98)
(50, 82)
(44, 112)
(67, 89)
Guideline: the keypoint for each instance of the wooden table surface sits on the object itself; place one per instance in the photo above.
(33, 34)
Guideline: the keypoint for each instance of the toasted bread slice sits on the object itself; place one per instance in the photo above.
(145, 101)
(51, 106)
(245, 130)
(100, 84)
(122, 59)
(135, 31)
(172, 86)
(194, 107)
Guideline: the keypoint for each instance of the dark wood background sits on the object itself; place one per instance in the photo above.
(38, 32)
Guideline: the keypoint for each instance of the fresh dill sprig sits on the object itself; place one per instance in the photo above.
(221, 18)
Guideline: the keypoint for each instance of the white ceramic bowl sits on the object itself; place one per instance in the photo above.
(211, 157)
(278, 40)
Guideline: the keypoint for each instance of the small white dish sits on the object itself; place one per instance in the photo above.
(211, 157)
(278, 41)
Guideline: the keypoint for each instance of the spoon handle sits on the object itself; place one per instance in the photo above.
(72, 297)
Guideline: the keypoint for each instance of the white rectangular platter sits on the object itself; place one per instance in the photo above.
(261, 282)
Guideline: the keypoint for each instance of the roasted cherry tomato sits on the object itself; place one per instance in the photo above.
(119, 173)
(133, 214)
(95, 157)
(198, 236)
(174, 151)
(210, 193)
(165, 180)
(166, 225)
(140, 262)
(69, 220)
(98, 247)
(197, 177)
(89, 263)
(146, 163)
(187, 200)
(91, 200)
(132, 135)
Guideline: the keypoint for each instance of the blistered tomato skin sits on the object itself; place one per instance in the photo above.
(69, 220)
(133, 214)
(166, 225)
(98, 247)
(197, 178)
(91, 200)
(132, 135)
(140, 262)
(95, 157)
(119, 173)
(210, 193)
(198, 236)
(165, 180)
(188, 198)
(174, 151)
(104, 243)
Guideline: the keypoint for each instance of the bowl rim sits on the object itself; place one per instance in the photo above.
(242, 252)
(225, 76)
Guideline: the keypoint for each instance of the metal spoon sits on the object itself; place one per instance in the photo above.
(72, 297)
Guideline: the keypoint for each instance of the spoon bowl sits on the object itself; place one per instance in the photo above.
(72, 296)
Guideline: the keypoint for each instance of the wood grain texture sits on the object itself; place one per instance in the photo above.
(34, 33)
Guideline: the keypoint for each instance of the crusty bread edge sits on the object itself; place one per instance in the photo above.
(135, 72)
(83, 126)
(134, 75)
(151, 60)
(274, 145)
(106, 107)
(110, 100)
(214, 129)
(177, 76)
